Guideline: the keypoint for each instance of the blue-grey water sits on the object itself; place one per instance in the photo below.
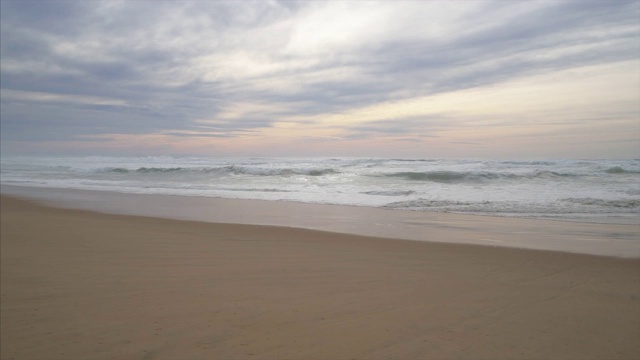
(583, 190)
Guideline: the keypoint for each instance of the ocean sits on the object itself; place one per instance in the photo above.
(606, 191)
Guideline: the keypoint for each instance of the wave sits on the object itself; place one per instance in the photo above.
(621, 203)
(620, 170)
(425, 204)
(389, 193)
(231, 170)
(562, 206)
(240, 170)
(271, 190)
(414, 160)
(437, 176)
(470, 176)
(443, 176)
(119, 170)
(544, 163)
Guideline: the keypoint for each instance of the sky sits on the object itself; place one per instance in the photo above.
(416, 79)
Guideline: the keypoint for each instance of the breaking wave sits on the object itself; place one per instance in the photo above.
(625, 203)
(570, 206)
(464, 176)
(390, 193)
(271, 190)
(608, 188)
(143, 170)
(237, 170)
(545, 163)
(231, 170)
(620, 170)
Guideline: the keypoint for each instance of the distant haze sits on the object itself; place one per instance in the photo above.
(430, 79)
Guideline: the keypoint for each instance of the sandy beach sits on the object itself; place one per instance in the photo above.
(77, 284)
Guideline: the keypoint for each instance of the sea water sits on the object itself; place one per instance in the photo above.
(583, 190)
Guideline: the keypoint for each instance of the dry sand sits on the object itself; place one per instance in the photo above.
(82, 285)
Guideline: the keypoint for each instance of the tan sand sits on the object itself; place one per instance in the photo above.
(82, 285)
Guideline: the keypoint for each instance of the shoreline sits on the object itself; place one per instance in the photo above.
(618, 240)
(24, 190)
(78, 284)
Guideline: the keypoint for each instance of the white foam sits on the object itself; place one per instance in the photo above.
(570, 189)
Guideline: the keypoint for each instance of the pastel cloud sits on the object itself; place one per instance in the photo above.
(322, 77)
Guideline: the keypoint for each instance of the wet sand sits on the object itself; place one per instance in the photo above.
(82, 285)
(620, 240)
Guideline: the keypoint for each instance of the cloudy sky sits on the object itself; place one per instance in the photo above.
(474, 79)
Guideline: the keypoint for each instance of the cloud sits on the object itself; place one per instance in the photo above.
(349, 70)
(421, 126)
(32, 96)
